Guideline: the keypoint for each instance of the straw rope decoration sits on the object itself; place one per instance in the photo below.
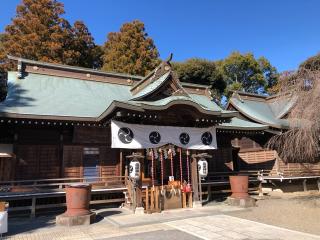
(188, 166)
(171, 161)
(180, 154)
(161, 160)
(152, 167)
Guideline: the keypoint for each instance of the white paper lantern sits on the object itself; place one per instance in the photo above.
(203, 168)
(134, 169)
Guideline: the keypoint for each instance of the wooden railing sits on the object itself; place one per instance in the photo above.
(53, 188)
(58, 183)
(218, 183)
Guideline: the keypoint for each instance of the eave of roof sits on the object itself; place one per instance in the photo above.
(143, 79)
(164, 104)
(266, 117)
(240, 124)
(151, 88)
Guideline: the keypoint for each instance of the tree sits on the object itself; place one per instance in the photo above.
(312, 63)
(244, 72)
(201, 71)
(39, 32)
(91, 54)
(3, 83)
(301, 142)
(285, 77)
(130, 50)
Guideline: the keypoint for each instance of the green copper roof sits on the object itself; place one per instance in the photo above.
(240, 124)
(151, 87)
(259, 111)
(45, 95)
(204, 102)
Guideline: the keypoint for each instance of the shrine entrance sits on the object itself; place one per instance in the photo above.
(175, 180)
(162, 169)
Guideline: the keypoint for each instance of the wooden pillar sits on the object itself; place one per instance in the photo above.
(138, 196)
(121, 163)
(33, 208)
(60, 149)
(194, 180)
(126, 175)
(147, 200)
(184, 200)
(16, 160)
(304, 183)
(157, 206)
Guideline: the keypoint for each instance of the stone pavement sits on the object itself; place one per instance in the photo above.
(193, 224)
(223, 227)
(131, 220)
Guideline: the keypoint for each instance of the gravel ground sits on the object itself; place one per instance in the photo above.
(297, 211)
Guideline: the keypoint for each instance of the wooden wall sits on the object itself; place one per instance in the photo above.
(54, 152)
(109, 162)
(37, 161)
(7, 168)
(269, 161)
(221, 160)
(72, 161)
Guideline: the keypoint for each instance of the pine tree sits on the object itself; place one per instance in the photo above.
(130, 50)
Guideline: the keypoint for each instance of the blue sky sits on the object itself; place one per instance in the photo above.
(285, 31)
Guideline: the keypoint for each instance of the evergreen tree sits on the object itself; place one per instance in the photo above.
(3, 83)
(201, 71)
(130, 50)
(39, 32)
(246, 73)
(90, 53)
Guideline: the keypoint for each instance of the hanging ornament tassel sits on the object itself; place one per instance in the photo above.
(180, 155)
(156, 155)
(161, 160)
(188, 167)
(171, 162)
(152, 167)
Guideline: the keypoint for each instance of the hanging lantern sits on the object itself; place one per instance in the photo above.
(203, 168)
(134, 169)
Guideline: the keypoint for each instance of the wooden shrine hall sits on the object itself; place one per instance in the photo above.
(62, 124)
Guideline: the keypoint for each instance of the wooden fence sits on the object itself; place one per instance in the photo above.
(43, 193)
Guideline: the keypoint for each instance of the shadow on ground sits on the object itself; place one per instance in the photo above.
(27, 225)
(24, 224)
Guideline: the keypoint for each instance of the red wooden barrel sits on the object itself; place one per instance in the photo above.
(78, 199)
(239, 186)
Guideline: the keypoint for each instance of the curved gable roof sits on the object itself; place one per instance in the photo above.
(260, 110)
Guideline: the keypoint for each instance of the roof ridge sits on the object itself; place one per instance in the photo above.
(251, 94)
(75, 68)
